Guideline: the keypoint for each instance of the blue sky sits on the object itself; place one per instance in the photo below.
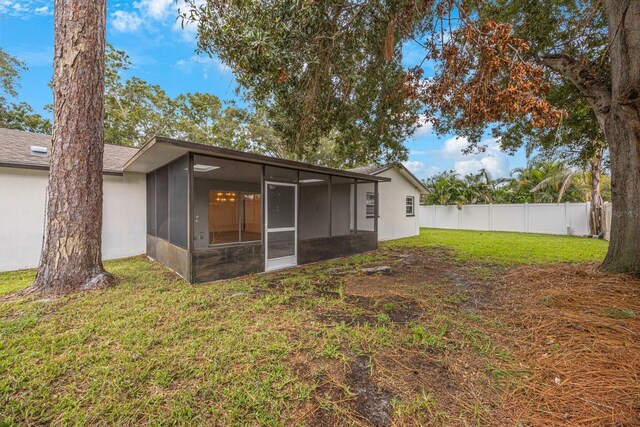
(163, 53)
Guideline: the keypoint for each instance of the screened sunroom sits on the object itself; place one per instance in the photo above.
(215, 213)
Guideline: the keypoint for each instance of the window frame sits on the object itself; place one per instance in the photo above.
(240, 211)
(260, 194)
(370, 203)
(410, 202)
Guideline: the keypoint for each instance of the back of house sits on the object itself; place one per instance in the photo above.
(399, 201)
(207, 212)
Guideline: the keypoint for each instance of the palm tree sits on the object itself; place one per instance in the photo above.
(548, 182)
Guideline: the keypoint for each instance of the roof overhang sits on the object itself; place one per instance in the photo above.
(406, 173)
(160, 151)
(32, 166)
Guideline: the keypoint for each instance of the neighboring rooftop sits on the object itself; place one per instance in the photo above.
(375, 170)
(369, 170)
(24, 149)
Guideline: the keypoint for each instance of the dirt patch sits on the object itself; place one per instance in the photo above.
(371, 310)
(401, 310)
(475, 293)
(412, 271)
(372, 403)
(336, 316)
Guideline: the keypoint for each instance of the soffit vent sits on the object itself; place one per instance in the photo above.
(39, 151)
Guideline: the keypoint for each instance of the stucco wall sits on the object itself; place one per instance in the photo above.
(394, 222)
(22, 199)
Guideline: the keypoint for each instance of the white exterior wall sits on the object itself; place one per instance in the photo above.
(22, 203)
(393, 222)
(544, 218)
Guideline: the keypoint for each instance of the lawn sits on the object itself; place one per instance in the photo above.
(511, 248)
(440, 340)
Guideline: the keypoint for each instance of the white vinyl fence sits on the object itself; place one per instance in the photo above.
(545, 218)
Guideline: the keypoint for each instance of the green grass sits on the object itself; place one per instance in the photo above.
(15, 280)
(151, 350)
(154, 350)
(509, 248)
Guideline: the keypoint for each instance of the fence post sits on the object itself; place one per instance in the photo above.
(587, 206)
(526, 217)
(490, 216)
(460, 217)
(435, 216)
(566, 218)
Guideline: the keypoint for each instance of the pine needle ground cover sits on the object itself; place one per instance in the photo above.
(442, 339)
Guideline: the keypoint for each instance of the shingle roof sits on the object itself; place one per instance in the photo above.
(369, 170)
(374, 170)
(15, 150)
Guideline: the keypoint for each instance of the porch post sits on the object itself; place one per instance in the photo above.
(190, 219)
(375, 211)
(330, 206)
(355, 206)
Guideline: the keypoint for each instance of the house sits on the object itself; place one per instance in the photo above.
(399, 199)
(206, 212)
(24, 165)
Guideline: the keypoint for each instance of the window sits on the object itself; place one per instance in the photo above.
(227, 202)
(364, 221)
(233, 217)
(371, 204)
(410, 205)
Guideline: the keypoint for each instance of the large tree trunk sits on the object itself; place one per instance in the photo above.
(622, 131)
(71, 258)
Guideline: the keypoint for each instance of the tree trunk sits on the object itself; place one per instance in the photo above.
(622, 131)
(71, 258)
(596, 214)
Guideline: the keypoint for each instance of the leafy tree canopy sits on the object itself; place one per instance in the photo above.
(17, 115)
(135, 110)
(322, 69)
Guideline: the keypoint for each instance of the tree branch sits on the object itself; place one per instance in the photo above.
(596, 91)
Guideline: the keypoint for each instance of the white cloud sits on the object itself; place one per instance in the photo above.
(152, 15)
(497, 166)
(156, 9)
(24, 8)
(425, 129)
(205, 63)
(492, 159)
(126, 22)
(421, 169)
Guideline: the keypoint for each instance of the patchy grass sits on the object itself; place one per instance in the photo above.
(321, 345)
(620, 313)
(15, 280)
(509, 248)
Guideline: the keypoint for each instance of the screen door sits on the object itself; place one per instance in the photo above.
(281, 206)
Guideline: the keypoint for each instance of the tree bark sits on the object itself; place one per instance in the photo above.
(622, 131)
(71, 258)
(616, 103)
(596, 214)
